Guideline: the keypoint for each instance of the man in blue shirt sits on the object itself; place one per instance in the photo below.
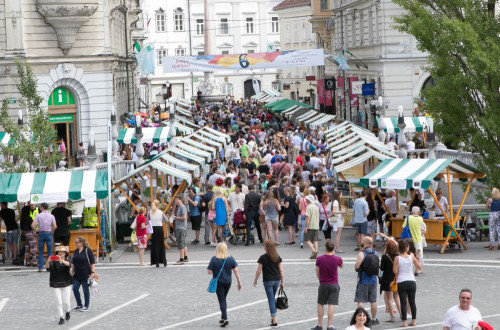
(360, 211)
(366, 288)
(194, 213)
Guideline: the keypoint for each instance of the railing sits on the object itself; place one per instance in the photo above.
(119, 168)
(464, 157)
(418, 153)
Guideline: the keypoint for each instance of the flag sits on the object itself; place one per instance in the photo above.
(256, 86)
(149, 20)
(137, 46)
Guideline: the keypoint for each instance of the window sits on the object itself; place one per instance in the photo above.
(160, 54)
(201, 53)
(224, 26)
(287, 33)
(249, 21)
(296, 32)
(180, 52)
(200, 27)
(251, 51)
(225, 52)
(304, 32)
(160, 22)
(324, 5)
(275, 25)
(179, 21)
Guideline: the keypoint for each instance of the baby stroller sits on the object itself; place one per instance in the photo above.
(239, 230)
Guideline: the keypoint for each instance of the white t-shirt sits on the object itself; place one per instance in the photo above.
(410, 145)
(392, 145)
(391, 205)
(237, 201)
(457, 319)
(353, 327)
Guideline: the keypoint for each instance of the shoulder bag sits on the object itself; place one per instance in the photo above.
(394, 284)
(133, 226)
(281, 300)
(326, 224)
(406, 231)
(212, 286)
(91, 281)
(149, 227)
(333, 217)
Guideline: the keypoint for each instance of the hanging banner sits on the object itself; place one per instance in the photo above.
(321, 91)
(353, 97)
(250, 61)
(328, 98)
(256, 86)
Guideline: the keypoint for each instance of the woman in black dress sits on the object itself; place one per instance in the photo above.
(386, 267)
(157, 218)
(288, 205)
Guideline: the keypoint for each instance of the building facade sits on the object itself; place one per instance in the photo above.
(79, 52)
(177, 28)
(380, 55)
(296, 33)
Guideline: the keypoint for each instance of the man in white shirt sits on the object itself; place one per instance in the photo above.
(315, 161)
(296, 142)
(392, 145)
(410, 145)
(462, 316)
(236, 199)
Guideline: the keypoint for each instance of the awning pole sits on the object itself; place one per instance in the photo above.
(449, 192)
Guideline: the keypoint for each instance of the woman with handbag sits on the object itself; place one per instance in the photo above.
(157, 219)
(338, 210)
(272, 276)
(82, 267)
(386, 268)
(301, 201)
(407, 286)
(220, 267)
(142, 236)
(61, 280)
(288, 206)
(325, 208)
(269, 206)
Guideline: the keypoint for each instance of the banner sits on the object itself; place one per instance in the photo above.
(353, 97)
(256, 86)
(321, 91)
(328, 98)
(250, 61)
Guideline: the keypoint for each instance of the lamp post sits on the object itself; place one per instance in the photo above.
(381, 122)
(401, 138)
(91, 151)
(114, 133)
(297, 86)
(139, 149)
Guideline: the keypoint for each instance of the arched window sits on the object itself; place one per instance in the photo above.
(429, 83)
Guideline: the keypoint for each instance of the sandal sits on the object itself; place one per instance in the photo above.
(277, 244)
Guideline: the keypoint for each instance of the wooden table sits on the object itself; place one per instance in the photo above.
(89, 234)
(434, 234)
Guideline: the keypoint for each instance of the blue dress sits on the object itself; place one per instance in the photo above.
(220, 212)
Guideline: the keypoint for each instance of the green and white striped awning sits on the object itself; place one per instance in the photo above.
(5, 138)
(416, 173)
(413, 124)
(150, 135)
(53, 187)
(159, 165)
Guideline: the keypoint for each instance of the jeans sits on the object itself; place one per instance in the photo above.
(302, 228)
(76, 292)
(236, 162)
(408, 289)
(207, 236)
(222, 291)
(253, 217)
(271, 287)
(42, 239)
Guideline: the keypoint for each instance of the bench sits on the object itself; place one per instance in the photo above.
(482, 218)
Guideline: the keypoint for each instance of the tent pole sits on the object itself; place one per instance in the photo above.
(126, 196)
(445, 216)
(133, 193)
(458, 213)
(151, 185)
(383, 203)
(449, 192)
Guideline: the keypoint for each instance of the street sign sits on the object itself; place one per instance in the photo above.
(11, 100)
(310, 78)
(357, 87)
(61, 118)
(368, 89)
(330, 84)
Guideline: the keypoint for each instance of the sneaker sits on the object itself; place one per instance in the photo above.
(213, 244)
(195, 241)
(180, 262)
(61, 320)
(301, 245)
(331, 328)
(317, 327)
(315, 255)
(206, 243)
(84, 309)
(77, 308)
(186, 259)
(312, 257)
(375, 322)
(224, 324)
(68, 316)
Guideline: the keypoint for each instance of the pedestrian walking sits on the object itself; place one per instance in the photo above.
(142, 235)
(180, 219)
(270, 207)
(302, 202)
(416, 222)
(63, 220)
(206, 198)
(312, 226)
(251, 209)
(28, 234)
(81, 155)
(288, 207)
(327, 267)
(222, 211)
(360, 320)
(325, 210)
(9, 218)
(462, 316)
(407, 286)
(338, 209)
(360, 211)
(61, 280)
(272, 276)
(194, 203)
(367, 266)
(157, 218)
(387, 270)
(222, 260)
(46, 227)
(493, 205)
(83, 267)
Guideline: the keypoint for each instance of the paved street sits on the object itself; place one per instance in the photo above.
(133, 297)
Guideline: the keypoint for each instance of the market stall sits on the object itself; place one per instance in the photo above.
(403, 174)
(284, 104)
(267, 96)
(54, 187)
(413, 124)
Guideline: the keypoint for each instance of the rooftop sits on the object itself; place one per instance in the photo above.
(292, 3)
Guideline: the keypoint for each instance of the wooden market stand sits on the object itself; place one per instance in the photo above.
(418, 173)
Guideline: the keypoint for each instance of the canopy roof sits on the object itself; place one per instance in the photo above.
(53, 187)
(5, 138)
(416, 173)
(413, 124)
(284, 104)
(159, 165)
(267, 96)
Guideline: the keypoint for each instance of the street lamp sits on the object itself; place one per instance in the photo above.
(297, 86)
(381, 123)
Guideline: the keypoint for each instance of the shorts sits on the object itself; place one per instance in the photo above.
(274, 221)
(338, 224)
(12, 236)
(366, 293)
(180, 236)
(64, 240)
(311, 235)
(196, 222)
(362, 228)
(372, 227)
(328, 294)
(385, 286)
(142, 241)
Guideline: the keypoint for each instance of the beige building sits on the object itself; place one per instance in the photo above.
(296, 33)
(80, 51)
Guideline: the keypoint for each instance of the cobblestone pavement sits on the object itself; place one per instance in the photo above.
(133, 297)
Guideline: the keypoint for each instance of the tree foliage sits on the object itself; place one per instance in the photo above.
(30, 147)
(462, 40)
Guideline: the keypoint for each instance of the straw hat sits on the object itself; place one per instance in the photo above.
(61, 248)
(310, 198)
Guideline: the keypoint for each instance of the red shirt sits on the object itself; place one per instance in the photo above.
(299, 161)
(141, 219)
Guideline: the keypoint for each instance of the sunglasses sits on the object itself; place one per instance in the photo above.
(77, 242)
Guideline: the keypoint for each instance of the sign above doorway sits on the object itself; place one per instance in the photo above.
(61, 118)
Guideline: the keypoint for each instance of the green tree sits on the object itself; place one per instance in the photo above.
(30, 146)
(462, 40)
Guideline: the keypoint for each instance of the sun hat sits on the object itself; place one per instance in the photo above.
(310, 198)
(62, 248)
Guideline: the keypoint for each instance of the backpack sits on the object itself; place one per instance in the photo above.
(370, 264)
